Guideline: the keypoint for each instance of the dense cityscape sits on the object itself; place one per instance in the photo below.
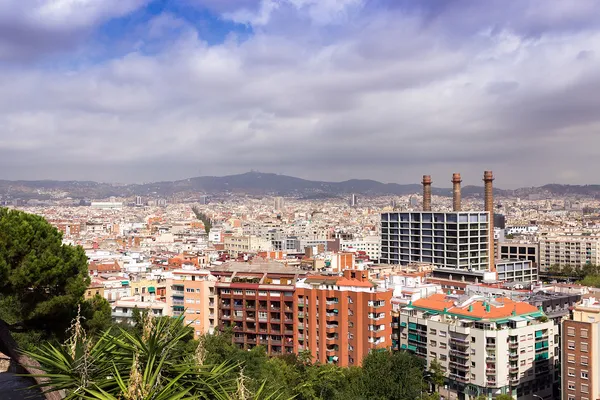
(299, 200)
(486, 287)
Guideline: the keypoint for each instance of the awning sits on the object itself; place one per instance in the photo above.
(151, 289)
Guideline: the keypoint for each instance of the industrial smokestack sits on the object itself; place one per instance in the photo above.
(456, 191)
(426, 193)
(488, 178)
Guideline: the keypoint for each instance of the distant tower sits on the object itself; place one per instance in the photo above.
(456, 180)
(139, 201)
(204, 200)
(426, 193)
(278, 203)
(488, 179)
(353, 202)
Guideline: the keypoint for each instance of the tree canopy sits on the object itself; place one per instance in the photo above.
(41, 280)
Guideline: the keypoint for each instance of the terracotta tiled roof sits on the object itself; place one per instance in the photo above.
(479, 308)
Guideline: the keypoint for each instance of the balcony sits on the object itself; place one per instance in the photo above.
(490, 358)
(459, 366)
(300, 314)
(459, 378)
(238, 339)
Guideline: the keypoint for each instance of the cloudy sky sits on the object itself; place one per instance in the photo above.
(141, 90)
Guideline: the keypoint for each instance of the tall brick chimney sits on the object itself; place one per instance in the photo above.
(426, 193)
(488, 178)
(456, 180)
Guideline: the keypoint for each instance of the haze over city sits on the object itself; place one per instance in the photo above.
(134, 90)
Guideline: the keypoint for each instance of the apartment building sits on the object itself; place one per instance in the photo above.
(457, 240)
(257, 300)
(371, 245)
(581, 353)
(486, 346)
(340, 319)
(572, 250)
(245, 244)
(193, 293)
(123, 311)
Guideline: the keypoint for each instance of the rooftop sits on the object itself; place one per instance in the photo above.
(476, 307)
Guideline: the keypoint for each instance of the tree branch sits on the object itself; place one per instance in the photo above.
(31, 366)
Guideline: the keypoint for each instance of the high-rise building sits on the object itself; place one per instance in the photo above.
(353, 202)
(485, 346)
(452, 239)
(278, 203)
(139, 202)
(340, 319)
(257, 300)
(581, 353)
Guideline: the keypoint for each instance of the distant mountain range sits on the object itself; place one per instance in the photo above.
(258, 183)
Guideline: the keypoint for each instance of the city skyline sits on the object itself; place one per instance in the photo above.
(142, 91)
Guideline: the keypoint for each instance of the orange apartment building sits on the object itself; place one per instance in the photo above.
(193, 294)
(257, 300)
(340, 319)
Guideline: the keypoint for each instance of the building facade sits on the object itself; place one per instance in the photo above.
(457, 240)
(575, 251)
(340, 319)
(485, 346)
(193, 295)
(519, 251)
(257, 301)
(581, 356)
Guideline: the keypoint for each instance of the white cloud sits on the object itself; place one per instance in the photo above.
(389, 99)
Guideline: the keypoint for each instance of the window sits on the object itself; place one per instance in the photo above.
(432, 343)
(571, 358)
(584, 388)
(433, 354)
(583, 333)
(571, 345)
(570, 331)
(442, 334)
(472, 363)
(584, 360)
(443, 357)
(584, 347)
(432, 332)
(472, 339)
(571, 371)
(584, 374)
(571, 385)
(443, 345)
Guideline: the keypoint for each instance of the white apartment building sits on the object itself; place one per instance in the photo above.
(516, 271)
(123, 310)
(486, 346)
(371, 245)
(521, 230)
(573, 250)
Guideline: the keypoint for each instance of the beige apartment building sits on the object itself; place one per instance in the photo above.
(573, 250)
(486, 346)
(581, 356)
(245, 244)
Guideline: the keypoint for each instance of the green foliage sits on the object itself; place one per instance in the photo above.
(204, 218)
(436, 373)
(41, 280)
(96, 313)
(504, 397)
(138, 365)
(395, 376)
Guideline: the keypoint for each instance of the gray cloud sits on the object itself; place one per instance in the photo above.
(390, 93)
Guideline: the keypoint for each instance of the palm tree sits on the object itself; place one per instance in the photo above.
(139, 365)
